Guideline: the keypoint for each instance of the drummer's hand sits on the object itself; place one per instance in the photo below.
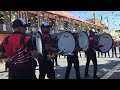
(49, 57)
(61, 53)
(101, 45)
(5, 60)
(78, 49)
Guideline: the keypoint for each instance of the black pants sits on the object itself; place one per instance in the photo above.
(6, 66)
(72, 60)
(108, 54)
(99, 54)
(91, 55)
(46, 67)
(22, 70)
(55, 60)
(80, 54)
(119, 49)
(114, 52)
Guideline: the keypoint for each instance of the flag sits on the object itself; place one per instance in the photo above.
(101, 21)
(94, 16)
(107, 21)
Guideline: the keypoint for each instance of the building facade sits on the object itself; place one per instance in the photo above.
(59, 19)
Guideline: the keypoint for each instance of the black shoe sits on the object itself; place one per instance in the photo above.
(86, 75)
(96, 77)
(79, 78)
(5, 70)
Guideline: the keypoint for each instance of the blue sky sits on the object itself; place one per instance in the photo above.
(113, 17)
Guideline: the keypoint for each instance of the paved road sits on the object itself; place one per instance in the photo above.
(105, 66)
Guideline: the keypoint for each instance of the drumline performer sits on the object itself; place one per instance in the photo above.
(20, 52)
(46, 65)
(114, 49)
(91, 54)
(73, 59)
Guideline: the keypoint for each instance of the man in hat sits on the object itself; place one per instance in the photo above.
(20, 52)
(46, 65)
(91, 55)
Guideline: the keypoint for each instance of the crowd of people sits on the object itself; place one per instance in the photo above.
(19, 52)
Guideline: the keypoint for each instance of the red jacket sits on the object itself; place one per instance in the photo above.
(14, 45)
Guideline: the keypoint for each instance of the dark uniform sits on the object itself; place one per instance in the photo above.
(108, 54)
(73, 59)
(114, 50)
(99, 54)
(91, 55)
(21, 64)
(6, 66)
(55, 60)
(46, 66)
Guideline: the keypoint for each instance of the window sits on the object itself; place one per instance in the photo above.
(61, 24)
(66, 25)
(1, 19)
(5, 22)
(40, 20)
(14, 16)
(33, 19)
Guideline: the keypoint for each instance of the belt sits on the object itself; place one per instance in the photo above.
(20, 62)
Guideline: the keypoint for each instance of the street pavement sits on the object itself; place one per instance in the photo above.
(108, 68)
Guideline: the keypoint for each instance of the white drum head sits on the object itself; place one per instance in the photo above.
(106, 40)
(39, 42)
(66, 42)
(83, 40)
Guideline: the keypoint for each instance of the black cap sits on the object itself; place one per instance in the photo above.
(20, 22)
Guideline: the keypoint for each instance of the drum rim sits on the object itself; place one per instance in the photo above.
(87, 37)
(65, 32)
(112, 41)
(43, 46)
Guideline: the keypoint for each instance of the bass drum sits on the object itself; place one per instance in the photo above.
(66, 42)
(38, 41)
(83, 40)
(54, 40)
(105, 40)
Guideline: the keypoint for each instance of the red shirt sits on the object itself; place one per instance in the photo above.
(13, 43)
(91, 40)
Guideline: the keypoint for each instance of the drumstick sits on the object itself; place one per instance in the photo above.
(57, 53)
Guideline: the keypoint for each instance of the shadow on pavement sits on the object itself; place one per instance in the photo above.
(102, 70)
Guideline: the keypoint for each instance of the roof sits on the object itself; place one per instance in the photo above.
(65, 14)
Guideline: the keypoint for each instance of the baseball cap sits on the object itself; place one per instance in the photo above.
(20, 22)
(46, 24)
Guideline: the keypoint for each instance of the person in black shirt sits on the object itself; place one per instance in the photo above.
(91, 55)
(73, 59)
(46, 66)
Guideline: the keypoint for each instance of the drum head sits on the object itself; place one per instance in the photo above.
(83, 40)
(66, 42)
(107, 42)
(39, 43)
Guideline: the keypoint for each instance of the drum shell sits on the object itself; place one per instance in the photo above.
(80, 41)
(97, 39)
(76, 40)
(54, 40)
(67, 44)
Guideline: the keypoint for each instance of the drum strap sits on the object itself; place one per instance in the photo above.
(6, 40)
